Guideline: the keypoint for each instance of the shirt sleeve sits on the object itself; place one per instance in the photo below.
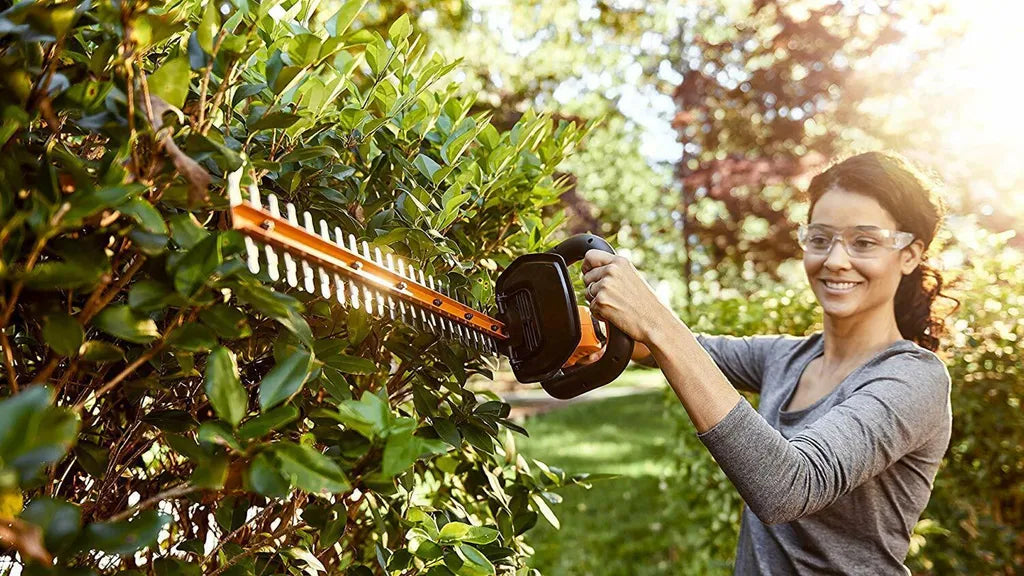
(782, 480)
(741, 358)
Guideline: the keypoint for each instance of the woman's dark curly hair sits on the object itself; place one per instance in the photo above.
(912, 200)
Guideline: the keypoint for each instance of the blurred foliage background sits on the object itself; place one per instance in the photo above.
(714, 115)
(705, 121)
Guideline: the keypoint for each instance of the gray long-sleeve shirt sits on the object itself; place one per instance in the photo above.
(837, 487)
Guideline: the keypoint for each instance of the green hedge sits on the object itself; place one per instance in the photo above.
(166, 411)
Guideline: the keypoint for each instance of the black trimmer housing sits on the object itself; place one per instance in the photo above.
(536, 301)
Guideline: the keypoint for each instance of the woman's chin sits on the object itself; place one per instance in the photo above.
(838, 310)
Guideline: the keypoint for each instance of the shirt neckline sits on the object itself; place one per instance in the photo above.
(817, 351)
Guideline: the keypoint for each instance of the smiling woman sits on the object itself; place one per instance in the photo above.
(837, 463)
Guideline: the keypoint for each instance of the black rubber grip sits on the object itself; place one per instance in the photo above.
(619, 348)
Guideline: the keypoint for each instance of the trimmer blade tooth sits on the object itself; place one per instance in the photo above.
(252, 252)
(290, 266)
(308, 275)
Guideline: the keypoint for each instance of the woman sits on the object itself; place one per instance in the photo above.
(837, 463)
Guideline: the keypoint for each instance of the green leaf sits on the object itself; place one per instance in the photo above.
(540, 505)
(171, 80)
(306, 154)
(335, 383)
(453, 532)
(98, 351)
(92, 457)
(400, 30)
(217, 432)
(448, 432)
(176, 567)
(186, 231)
(226, 321)
(426, 165)
(223, 387)
(370, 416)
(208, 27)
(122, 322)
(60, 520)
(458, 141)
(198, 265)
(310, 470)
(264, 476)
(193, 338)
(86, 203)
(400, 452)
(280, 307)
(343, 18)
(84, 263)
(149, 296)
(263, 424)
(285, 379)
(351, 364)
(63, 333)
(210, 473)
(275, 120)
(474, 562)
(124, 537)
(358, 323)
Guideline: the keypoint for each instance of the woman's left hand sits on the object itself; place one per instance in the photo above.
(619, 295)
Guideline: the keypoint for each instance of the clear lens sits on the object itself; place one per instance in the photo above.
(859, 242)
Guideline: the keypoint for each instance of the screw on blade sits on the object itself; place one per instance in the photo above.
(290, 268)
(252, 251)
(401, 302)
(272, 261)
(437, 321)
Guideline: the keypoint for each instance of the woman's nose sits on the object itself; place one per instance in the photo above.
(838, 258)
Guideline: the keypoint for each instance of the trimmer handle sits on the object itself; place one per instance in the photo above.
(572, 382)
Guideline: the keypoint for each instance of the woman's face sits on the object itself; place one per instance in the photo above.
(848, 286)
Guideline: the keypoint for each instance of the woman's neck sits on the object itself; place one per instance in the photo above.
(855, 339)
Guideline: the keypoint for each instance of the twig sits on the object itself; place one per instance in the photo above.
(12, 376)
(121, 376)
(253, 549)
(158, 346)
(175, 492)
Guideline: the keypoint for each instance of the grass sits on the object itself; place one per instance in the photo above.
(628, 526)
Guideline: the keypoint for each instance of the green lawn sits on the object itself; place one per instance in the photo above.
(633, 525)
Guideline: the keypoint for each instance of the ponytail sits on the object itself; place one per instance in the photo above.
(915, 298)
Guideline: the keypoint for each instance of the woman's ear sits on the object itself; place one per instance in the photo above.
(910, 257)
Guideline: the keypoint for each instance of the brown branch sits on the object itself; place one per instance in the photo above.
(12, 376)
(174, 492)
(213, 553)
(281, 533)
(158, 346)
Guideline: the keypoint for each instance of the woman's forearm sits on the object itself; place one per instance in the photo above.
(700, 386)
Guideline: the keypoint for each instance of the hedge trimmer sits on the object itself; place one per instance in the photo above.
(537, 325)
